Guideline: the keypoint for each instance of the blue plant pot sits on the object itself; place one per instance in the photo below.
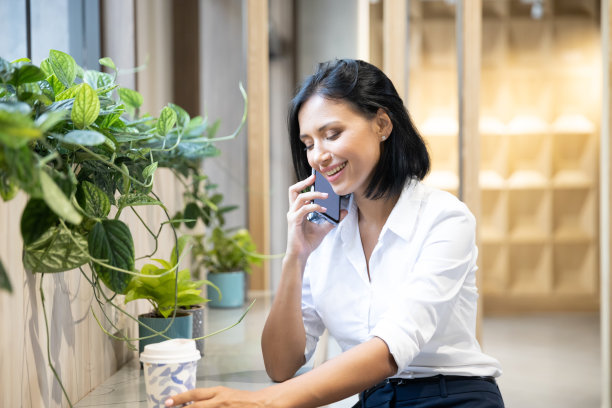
(232, 286)
(181, 328)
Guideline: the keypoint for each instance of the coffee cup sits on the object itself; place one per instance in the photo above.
(169, 368)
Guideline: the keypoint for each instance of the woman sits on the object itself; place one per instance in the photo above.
(393, 282)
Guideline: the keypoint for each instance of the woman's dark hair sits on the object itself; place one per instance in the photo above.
(367, 89)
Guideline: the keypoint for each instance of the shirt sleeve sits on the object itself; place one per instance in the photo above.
(313, 325)
(446, 260)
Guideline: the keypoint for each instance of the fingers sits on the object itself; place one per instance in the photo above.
(300, 213)
(297, 188)
(304, 199)
(197, 394)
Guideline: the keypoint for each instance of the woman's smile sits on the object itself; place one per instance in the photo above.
(333, 172)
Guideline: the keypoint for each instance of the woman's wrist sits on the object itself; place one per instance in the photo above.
(294, 261)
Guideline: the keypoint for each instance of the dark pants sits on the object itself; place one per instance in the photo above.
(434, 392)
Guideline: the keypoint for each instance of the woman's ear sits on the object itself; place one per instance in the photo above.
(383, 124)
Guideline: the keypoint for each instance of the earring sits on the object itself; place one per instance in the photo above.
(383, 138)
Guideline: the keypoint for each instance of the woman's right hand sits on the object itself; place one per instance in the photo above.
(304, 236)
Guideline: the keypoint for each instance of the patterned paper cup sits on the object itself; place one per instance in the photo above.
(169, 368)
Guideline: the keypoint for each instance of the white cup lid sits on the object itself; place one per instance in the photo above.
(170, 351)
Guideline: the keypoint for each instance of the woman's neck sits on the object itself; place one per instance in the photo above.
(374, 212)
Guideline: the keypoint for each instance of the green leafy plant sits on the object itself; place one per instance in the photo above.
(161, 286)
(220, 249)
(75, 142)
(227, 251)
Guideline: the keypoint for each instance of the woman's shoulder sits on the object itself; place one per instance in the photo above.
(440, 203)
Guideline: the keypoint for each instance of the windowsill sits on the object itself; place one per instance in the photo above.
(232, 358)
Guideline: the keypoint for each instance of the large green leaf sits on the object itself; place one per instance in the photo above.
(111, 241)
(101, 81)
(149, 170)
(64, 67)
(5, 283)
(86, 106)
(36, 219)
(57, 200)
(83, 137)
(26, 73)
(192, 212)
(67, 93)
(135, 199)
(22, 167)
(130, 97)
(92, 200)
(56, 84)
(57, 250)
(16, 128)
(46, 67)
(166, 121)
(181, 115)
(48, 120)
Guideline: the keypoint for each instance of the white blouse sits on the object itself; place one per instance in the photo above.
(421, 299)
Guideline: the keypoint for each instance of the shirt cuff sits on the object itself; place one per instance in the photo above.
(402, 347)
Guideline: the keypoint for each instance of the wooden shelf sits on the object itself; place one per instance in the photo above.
(572, 266)
(531, 266)
(540, 109)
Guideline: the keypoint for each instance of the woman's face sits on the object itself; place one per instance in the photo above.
(341, 143)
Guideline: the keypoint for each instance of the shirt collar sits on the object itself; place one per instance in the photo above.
(401, 220)
(404, 214)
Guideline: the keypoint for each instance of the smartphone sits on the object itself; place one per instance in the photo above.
(332, 202)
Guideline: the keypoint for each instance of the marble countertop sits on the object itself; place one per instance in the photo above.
(232, 358)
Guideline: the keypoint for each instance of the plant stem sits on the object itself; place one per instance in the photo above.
(42, 300)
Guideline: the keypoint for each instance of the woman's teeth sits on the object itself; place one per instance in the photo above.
(337, 169)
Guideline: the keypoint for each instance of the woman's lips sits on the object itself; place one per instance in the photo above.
(335, 172)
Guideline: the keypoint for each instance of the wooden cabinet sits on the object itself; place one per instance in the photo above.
(539, 130)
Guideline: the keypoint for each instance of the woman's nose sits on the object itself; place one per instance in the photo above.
(321, 156)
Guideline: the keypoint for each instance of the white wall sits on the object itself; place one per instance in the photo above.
(326, 29)
(223, 62)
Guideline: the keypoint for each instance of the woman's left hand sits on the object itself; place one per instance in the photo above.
(215, 397)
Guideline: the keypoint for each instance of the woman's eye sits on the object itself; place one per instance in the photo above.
(333, 135)
(308, 147)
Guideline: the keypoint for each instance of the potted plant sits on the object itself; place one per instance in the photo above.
(166, 288)
(228, 256)
(74, 141)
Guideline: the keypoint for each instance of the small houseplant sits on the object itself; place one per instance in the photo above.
(160, 285)
(227, 255)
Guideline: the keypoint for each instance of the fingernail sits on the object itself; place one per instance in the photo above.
(169, 402)
(324, 209)
(325, 194)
